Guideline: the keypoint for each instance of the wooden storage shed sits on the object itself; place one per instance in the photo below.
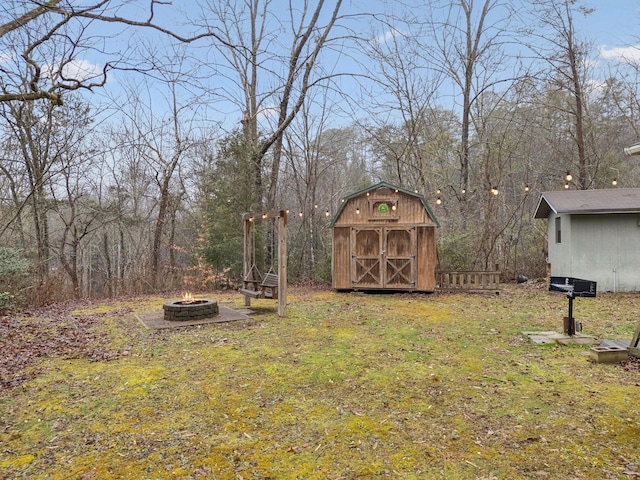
(384, 238)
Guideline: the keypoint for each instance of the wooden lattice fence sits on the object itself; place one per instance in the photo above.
(468, 281)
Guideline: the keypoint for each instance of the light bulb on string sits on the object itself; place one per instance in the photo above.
(614, 182)
(438, 201)
(568, 177)
(566, 186)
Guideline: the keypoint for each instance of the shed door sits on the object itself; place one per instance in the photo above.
(399, 257)
(383, 257)
(366, 257)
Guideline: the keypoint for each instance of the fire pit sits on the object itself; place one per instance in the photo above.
(189, 309)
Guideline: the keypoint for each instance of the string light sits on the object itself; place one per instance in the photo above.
(614, 182)
(568, 177)
(566, 186)
(439, 200)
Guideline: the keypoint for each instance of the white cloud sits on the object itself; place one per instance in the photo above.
(388, 35)
(79, 70)
(628, 54)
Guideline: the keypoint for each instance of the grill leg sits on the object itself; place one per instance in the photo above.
(571, 327)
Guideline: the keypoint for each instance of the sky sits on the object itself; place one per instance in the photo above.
(615, 25)
(614, 28)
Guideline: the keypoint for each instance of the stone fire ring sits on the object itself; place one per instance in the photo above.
(187, 311)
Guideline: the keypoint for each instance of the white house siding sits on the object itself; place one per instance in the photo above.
(604, 248)
(560, 253)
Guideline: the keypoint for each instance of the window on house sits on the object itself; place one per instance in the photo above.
(558, 230)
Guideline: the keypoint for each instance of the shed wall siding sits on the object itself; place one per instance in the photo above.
(340, 261)
(560, 253)
(427, 259)
(604, 248)
(608, 247)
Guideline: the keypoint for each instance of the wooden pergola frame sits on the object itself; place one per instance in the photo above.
(281, 221)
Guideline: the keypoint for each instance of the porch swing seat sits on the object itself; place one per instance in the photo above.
(257, 287)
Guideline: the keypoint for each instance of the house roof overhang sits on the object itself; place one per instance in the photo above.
(585, 202)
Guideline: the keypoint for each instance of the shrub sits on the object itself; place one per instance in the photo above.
(14, 270)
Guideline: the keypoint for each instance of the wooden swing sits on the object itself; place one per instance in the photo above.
(255, 286)
(272, 285)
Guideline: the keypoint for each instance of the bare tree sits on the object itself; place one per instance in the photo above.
(33, 130)
(408, 86)
(272, 77)
(162, 131)
(79, 214)
(47, 42)
(468, 47)
(315, 179)
(567, 53)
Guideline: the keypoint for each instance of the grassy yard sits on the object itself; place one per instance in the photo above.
(348, 386)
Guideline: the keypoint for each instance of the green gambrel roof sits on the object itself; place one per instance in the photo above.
(393, 187)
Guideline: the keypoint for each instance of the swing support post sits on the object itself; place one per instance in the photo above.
(247, 255)
(281, 218)
(282, 264)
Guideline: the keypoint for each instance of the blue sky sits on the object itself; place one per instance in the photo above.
(614, 23)
(614, 28)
